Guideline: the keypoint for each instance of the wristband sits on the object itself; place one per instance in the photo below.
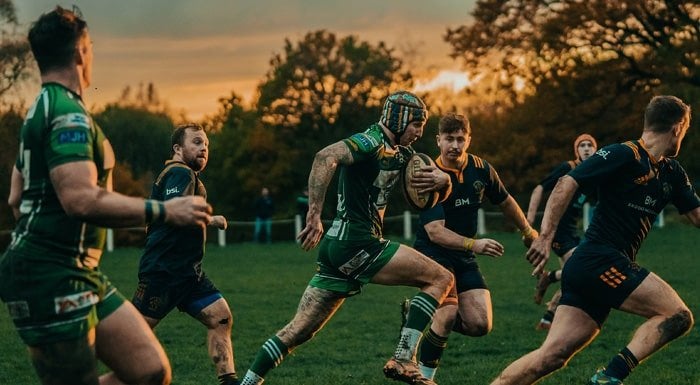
(155, 211)
(148, 208)
(527, 232)
(468, 243)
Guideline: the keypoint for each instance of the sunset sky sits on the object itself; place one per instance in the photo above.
(197, 52)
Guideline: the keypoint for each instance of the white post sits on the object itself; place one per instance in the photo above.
(222, 237)
(110, 240)
(660, 220)
(480, 222)
(407, 231)
(586, 215)
(297, 227)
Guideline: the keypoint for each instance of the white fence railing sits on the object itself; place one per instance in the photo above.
(407, 218)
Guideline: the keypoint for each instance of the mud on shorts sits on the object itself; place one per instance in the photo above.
(54, 299)
(598, 278)
(158, 293)
(465, 269)
(345, 266)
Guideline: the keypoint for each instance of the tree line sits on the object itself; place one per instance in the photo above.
(543, 73)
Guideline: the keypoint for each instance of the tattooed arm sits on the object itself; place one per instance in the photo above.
(322, 171)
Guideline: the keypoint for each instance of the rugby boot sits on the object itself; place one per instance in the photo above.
(405, 371)
(600, 378)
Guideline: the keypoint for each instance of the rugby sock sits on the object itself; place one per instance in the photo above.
(552, 276)
(252, 379)
(269, 356)
(548, 316)
(622, 364)
(431, 350)
(228, 379)
(420, 313)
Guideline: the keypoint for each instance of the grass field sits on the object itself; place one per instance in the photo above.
(264, 283)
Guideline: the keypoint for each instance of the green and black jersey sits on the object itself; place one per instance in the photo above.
(365, 185)
(56, 131)
(176, 250)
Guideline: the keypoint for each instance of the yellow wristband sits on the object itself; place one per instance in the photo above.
(468, 243)
(527, 232)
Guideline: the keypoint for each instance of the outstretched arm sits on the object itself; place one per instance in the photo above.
(80, 196)
(322, 171)
(558, 201)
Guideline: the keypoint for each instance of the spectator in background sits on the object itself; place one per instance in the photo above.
(264, 207)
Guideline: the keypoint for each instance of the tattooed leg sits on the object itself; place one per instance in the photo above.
(316, 307)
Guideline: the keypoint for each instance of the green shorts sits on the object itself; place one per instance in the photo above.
(54, 299)
(344, 266)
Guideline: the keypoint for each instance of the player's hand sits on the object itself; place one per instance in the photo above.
(538, 254)
(311, 235)
(187, 211)
(430, 178)
(490, 247)
(219, 221)
(528, 239)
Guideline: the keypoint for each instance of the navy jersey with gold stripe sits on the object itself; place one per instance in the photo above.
(568, 224)
(633, 188)
(475, 181)
(176, 250)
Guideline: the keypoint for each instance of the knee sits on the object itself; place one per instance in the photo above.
(162, 376)
(476, 329)
(222, 320)
(444, 279)
(677, 324)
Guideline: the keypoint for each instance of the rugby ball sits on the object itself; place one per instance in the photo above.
(419, 201)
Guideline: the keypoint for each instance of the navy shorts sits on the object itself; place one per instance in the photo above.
(465, 269)
(598, 278)
(159, 293)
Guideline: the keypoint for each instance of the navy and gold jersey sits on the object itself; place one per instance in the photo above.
(176, 250)
(475, 181)
(632, 188)
(568, 225)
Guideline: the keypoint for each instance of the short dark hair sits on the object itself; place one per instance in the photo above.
(178, 136)
(666, 112)
(452, 122)
(54, 38)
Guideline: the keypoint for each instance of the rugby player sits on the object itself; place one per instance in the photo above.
(634, 181)
(63, 306)
(447, 234)
(353, 251)
(170, 271)
(566, 237)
